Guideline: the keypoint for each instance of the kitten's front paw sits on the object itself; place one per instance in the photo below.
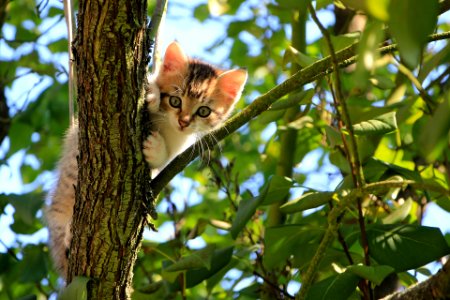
(155, 152)
(152, 96)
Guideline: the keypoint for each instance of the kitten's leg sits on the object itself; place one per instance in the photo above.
(152, 95)
(155, 150)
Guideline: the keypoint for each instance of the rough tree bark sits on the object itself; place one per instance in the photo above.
(111, 55)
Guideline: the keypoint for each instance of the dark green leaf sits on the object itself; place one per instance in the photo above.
(406, 247)
(198, 259)
(275, 190)
(33, 264)
(219, 259)
(375, 274)
(337, 287)
(20, 136)
(281, 242)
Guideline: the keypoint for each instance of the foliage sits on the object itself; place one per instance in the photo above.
(371, 153)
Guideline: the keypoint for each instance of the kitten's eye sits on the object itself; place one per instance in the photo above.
(175, 101)
(203, 111)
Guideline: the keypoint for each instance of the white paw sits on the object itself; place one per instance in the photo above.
(152, 96)
(155, 152)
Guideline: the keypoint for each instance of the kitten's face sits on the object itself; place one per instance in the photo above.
(196, 97)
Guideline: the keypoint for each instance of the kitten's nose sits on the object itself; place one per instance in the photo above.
(184, 121)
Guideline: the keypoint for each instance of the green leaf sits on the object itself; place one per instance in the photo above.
(281, 242)
(300, 123)
(303, 97)
(399, 214)
(333, 136)
(368, 53)
(20, 136)
(375, 274)
(293, 55)
(219, 260)
(306, 201)
(339, 287)
(411, 31)
(198, 259)
(383, 124)
(33, 264)
(382, 82)
(275, 190)
(378, 8)
(406, 247)
(76, 290)
(60, 45)
(270, 116)
(434, 142)
(433, 61)
(246, 209)
(26, 207)
(201, 12)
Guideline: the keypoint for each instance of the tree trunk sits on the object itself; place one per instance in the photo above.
(111, 54)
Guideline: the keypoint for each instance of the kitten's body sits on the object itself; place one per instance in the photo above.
(186, 99)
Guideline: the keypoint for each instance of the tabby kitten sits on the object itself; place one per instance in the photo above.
(193, 99)
(186, 99)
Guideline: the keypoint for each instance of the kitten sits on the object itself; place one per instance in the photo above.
(186, 100)
(194, 99)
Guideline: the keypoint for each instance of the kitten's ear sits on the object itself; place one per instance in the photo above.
(174, 60)
(231, 83)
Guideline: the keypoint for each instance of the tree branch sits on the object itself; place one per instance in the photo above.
(435, 287)
(308, 74)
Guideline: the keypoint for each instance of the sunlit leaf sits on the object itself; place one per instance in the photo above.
(375, 274)
(307, 201)
(293, 55)
(368, 53)
(76, 290)
(399, 214)
(383, 124)
(303, 97)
